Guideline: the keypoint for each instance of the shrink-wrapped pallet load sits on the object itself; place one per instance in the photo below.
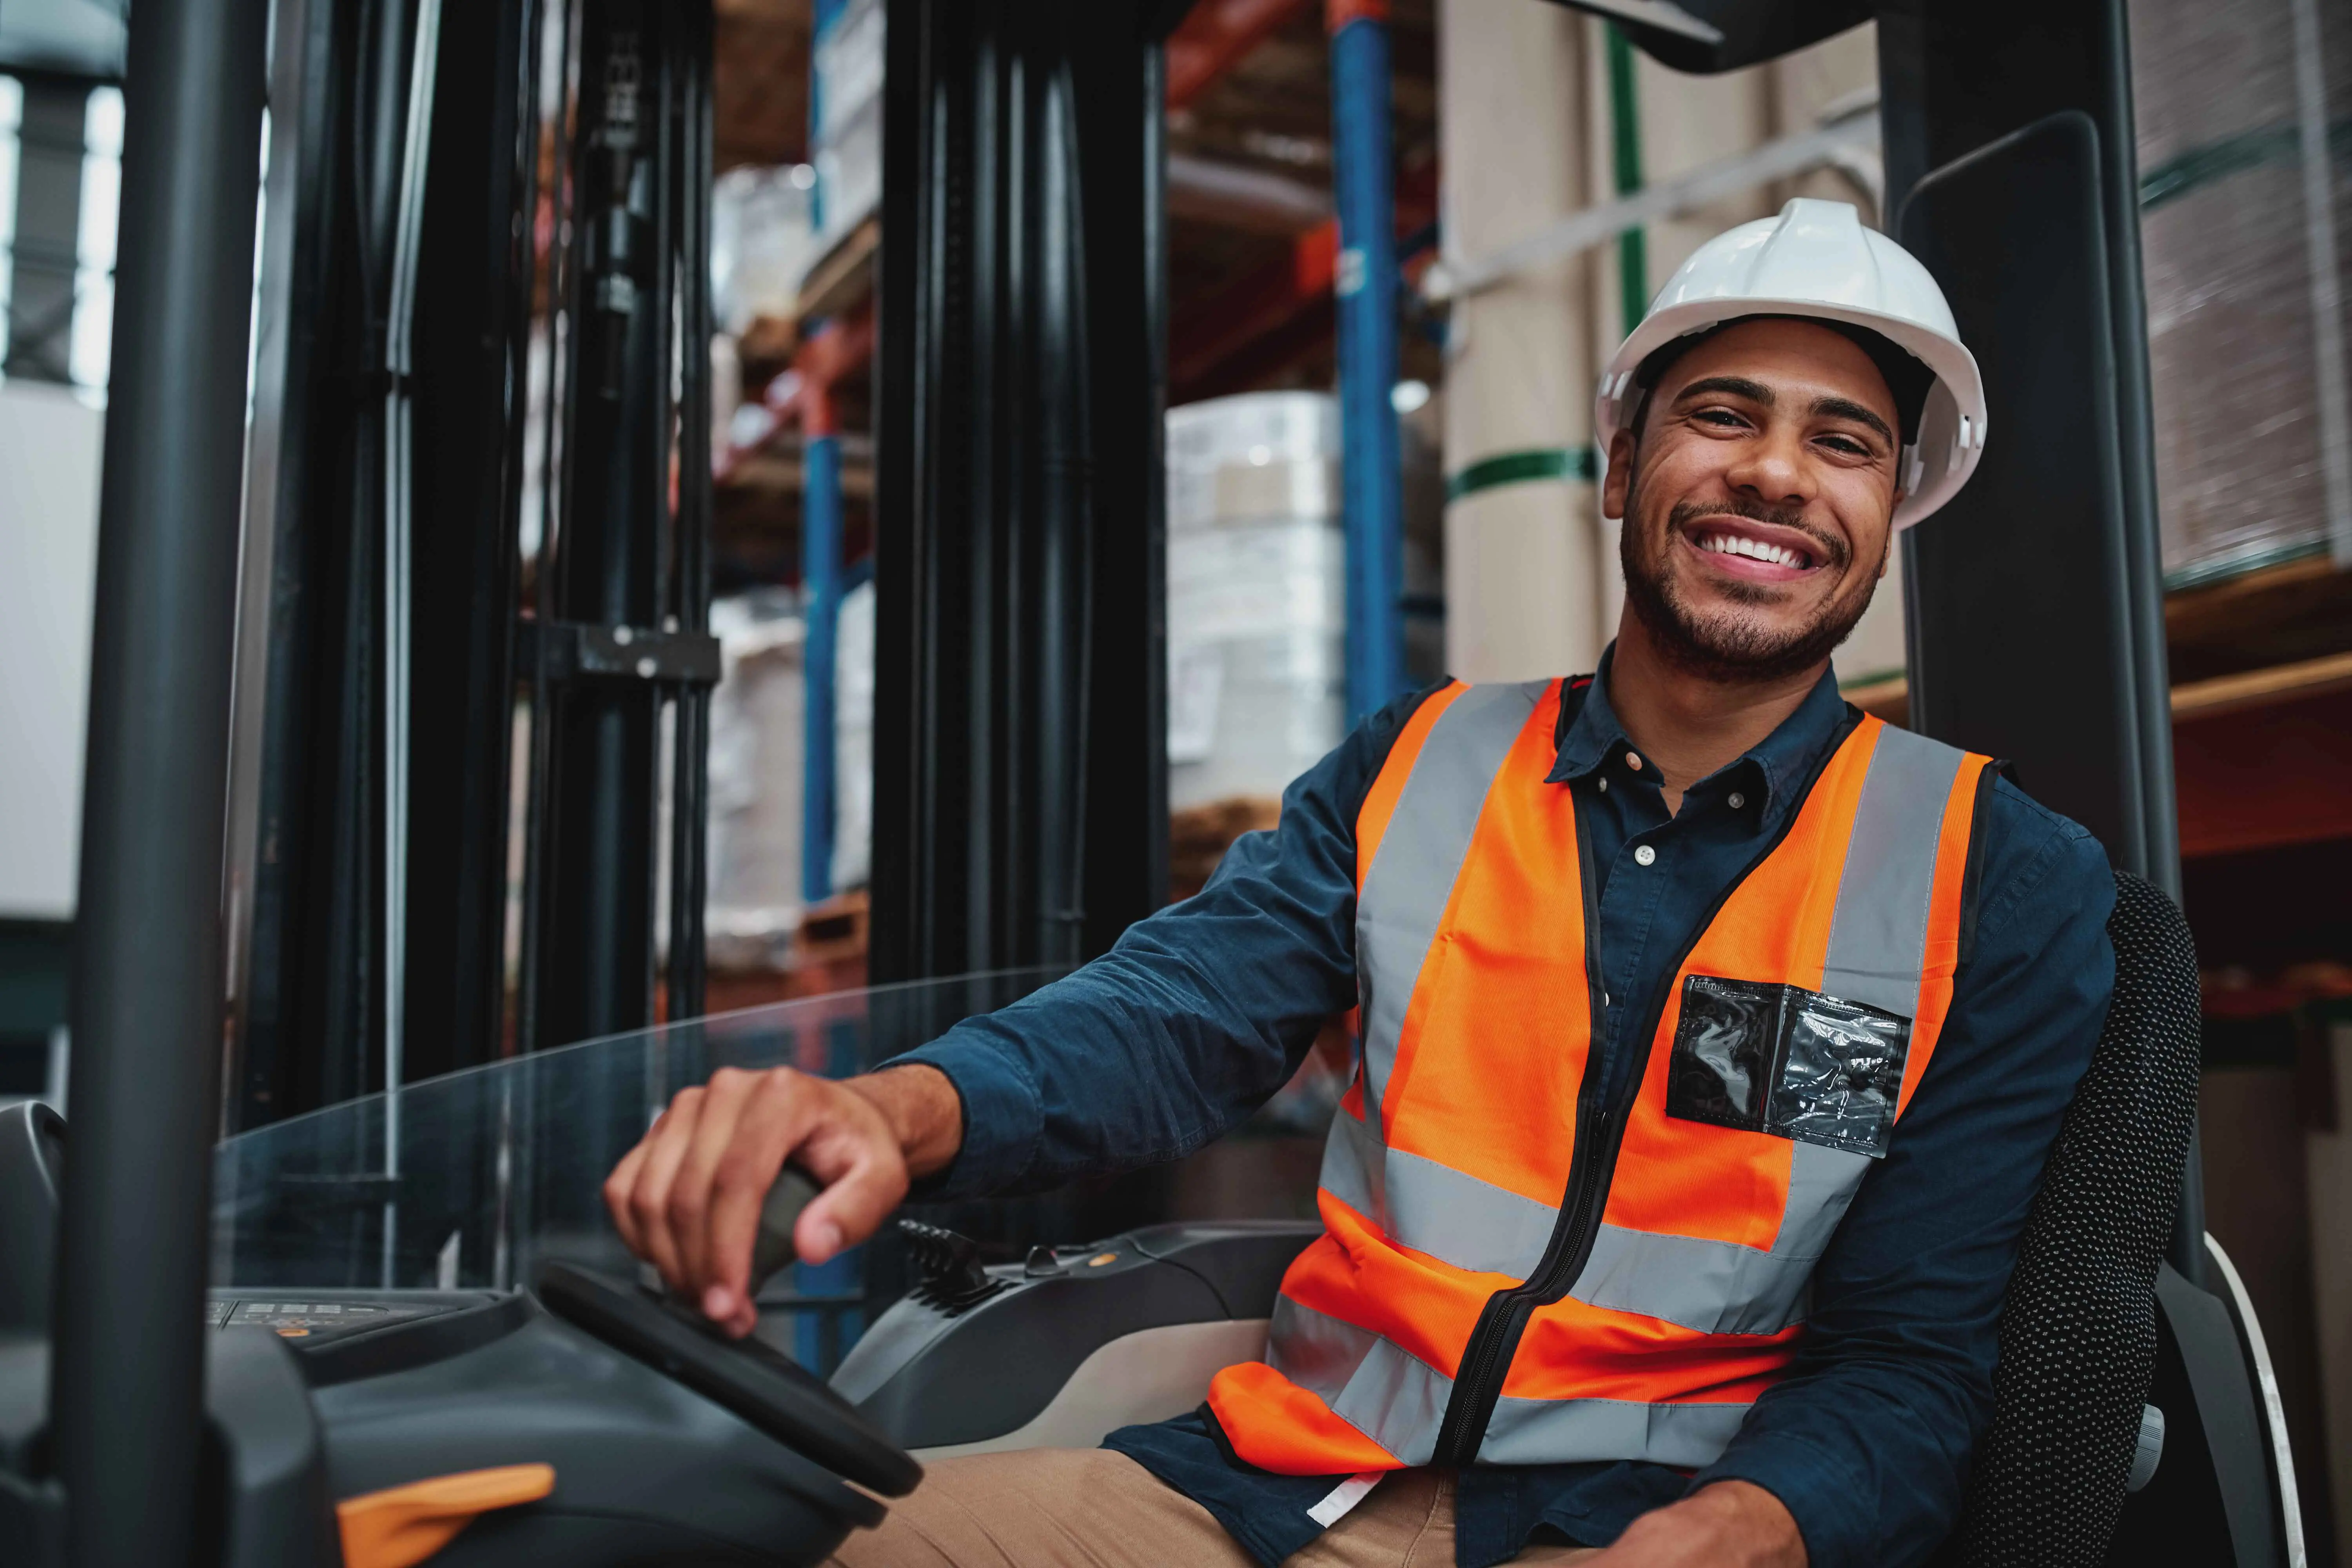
(2246, 330)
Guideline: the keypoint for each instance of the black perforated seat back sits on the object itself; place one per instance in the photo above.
(2078, 1333)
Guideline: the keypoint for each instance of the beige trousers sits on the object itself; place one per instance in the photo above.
(1091, 1508)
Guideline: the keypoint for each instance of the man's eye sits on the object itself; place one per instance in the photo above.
(1723, 416)
(1846, 443)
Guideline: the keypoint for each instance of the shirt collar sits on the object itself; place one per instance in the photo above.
(1782, 761)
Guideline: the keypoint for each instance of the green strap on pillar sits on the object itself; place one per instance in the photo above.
(1625, 139)
(1520, 467)
(1565, 463)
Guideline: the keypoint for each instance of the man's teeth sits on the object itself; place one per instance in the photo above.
(1735, 545)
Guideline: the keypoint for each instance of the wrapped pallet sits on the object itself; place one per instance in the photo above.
(1258, 607)
(763, 238)
(853, 742)
(2245, 240)
(845, 114)
(757, 741)
(1256, 596)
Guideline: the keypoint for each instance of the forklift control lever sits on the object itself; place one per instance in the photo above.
(772, 1248)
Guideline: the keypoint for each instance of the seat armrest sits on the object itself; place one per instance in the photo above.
(1123, 1331)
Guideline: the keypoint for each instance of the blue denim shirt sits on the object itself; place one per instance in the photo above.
(1203, 1010)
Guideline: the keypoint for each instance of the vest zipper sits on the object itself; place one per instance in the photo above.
(1487, 1359)
(1599, 1134)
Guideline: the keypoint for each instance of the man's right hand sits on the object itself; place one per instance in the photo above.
(686, 1198)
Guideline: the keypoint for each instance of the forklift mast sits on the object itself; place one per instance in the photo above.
(478, 508)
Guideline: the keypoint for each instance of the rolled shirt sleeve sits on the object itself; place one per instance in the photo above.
(1866, 1440)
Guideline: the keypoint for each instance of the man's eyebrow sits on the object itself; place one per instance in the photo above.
(1847, 408)
(1729, 386)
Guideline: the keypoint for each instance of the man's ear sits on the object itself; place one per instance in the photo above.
(1620, 480)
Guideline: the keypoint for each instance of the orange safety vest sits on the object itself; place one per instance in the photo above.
(1514, 1272)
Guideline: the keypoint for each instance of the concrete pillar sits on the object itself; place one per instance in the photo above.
(1687, 122)
(1522, 596)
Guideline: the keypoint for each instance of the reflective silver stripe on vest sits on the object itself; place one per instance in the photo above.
(1399, 1401)
(1314, 1350)
(1708, 1287)
(1821, 1183)
(1878, 937)
(1434, 1208)
(1412, 876)
(1390, 1397)
(1563, 1431)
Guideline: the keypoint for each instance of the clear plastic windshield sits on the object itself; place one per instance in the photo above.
(470, 1179)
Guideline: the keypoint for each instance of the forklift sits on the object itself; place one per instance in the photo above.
(379, 1323)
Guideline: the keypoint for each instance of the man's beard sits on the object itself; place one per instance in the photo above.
(1726, 648)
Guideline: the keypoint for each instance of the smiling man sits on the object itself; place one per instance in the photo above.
(1713, 1037)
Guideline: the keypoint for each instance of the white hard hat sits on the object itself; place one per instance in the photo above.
(1816, 259)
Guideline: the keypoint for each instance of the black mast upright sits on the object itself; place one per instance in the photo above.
(1020, 802)
(597, 959)
(127, 1394)
(622, 613)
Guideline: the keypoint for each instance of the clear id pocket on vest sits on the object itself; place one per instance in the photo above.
(1787, 1061)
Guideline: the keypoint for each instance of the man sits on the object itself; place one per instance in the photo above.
(1713, 1037)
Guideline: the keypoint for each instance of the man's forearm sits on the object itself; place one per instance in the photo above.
(922, 1108)
(1729, 1524)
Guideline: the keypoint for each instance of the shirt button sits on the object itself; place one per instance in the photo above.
(1644, 854)
(1738, 800)
(1633, 762)
(1605, 786)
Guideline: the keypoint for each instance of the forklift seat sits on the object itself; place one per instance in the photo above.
(2078, 1331)
(2094, 1325)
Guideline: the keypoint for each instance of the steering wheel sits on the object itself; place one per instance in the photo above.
(772, 1393)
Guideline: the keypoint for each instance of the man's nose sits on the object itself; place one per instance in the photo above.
(1772, 470)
